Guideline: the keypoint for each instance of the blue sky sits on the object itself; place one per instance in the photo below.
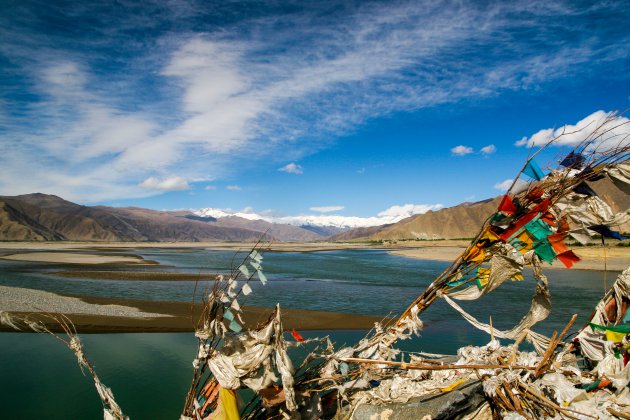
(183, 104)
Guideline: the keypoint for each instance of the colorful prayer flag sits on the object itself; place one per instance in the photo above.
(533, 171)
(506, 205)
(297, 336)
(568, 258)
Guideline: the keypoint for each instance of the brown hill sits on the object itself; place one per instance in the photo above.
(461, 221)
(41, 217)
(465, 220)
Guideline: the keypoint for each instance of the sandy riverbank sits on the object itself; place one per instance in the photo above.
(126, 275)
(77, 258)
(95, 314)
(617, 258)
(235, 246)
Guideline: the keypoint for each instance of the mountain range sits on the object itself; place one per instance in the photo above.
(42, 217)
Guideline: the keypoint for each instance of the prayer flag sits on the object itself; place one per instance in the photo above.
(614, 333)
(483, 275)
(533, 171)
(568, 258)
(234, 326)
(606, 232)
(243, 269)
(297, 336)
(235, 305)
(572, 160)
(262, 277)
(255, 255)
(506, 205)
(228, 315)
(246, 289)
(544, 251)
(557, 243)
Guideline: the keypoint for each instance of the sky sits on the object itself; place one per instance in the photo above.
(367, 109)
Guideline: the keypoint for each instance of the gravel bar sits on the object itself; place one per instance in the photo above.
(17, 299)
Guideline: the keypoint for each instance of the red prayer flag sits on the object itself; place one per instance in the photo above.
(556, 241)
(535, 194)
(507, 206)
(297, 336)
(563, 225)
(549, 219)
(568, 258)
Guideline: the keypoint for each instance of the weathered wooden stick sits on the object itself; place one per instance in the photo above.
(504, 400)
(514, 398)
(619, 414)
(403, 365)
(553, 343)
(546, 400)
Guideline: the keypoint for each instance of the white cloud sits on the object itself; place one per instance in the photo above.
(292, 168)
(327, 209)
(461, 150)
(175, 183)
(210, 188)
(233, 188)
(519, 185)
(503, 185)
(390, 215)
(489, 149)
(615, 130)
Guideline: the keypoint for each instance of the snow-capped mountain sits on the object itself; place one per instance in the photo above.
(390, 215)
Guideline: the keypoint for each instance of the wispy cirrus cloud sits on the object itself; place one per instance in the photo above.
(94, 114)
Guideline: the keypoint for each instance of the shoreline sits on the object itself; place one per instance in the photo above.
(165, 316)
(617, 258)
(78, 258)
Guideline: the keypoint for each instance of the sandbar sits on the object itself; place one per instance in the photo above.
(127, 275)
(77, 258)
(97, 315)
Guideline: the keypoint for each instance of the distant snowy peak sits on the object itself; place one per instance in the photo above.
(391, 215)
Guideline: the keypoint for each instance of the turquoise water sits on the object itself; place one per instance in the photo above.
(150, 373)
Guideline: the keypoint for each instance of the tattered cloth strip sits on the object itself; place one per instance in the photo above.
(539, 310)
(502, 269)
(586, 211)
(248, 359)
(620, 176)
(227, 409)
(593, 342)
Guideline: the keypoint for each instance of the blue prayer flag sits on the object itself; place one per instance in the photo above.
(533, 171)
(234, 326)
